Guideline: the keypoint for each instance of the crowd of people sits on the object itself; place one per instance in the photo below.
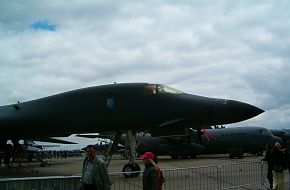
(95, 173)
(277, 158)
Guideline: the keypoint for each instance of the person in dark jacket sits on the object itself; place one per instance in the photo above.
(161, 177)
(279, 165)
(268, 158)
(151, 173)
(287, 154)
(94, 173)
(199, 136)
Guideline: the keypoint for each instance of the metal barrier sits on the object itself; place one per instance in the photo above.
(243, 175)
(246, 175)
(41, 183)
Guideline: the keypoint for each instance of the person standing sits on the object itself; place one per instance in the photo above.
(94, 172)
(278, 167)
(8, 155)
(268, 158)
(0, 158)
(161, 179)
(152, 179)
(199, 136)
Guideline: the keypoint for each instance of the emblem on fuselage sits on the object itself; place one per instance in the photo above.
(111, 102)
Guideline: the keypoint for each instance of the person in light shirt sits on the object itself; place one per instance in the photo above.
(94, 173)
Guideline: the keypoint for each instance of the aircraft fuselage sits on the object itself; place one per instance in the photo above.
(134, 106)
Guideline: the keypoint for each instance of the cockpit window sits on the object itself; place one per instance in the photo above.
(160, 89)
(263, 131)
(150, 89)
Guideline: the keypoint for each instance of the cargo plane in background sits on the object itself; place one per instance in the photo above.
(131, 107)
(234, 141)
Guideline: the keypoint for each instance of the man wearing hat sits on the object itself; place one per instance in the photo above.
(151, 174)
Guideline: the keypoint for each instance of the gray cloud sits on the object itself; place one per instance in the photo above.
(225, 49)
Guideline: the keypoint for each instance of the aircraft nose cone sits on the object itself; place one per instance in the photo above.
(239, 111)
(223, 111)
(246, 111)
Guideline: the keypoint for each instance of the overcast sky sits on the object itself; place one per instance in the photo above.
(225, 49)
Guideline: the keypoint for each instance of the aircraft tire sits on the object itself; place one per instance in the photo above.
(131, 168)
(231, 155)
(260, 153)
(137, 169)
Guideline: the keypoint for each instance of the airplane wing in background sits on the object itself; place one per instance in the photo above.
(53, 140)
(92, 136)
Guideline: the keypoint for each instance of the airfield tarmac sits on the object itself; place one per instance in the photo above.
(198, 178)
(73, 166)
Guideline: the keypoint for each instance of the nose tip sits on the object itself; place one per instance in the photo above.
(253, 111)
(222, 111)
(234, 111)
(245, 111)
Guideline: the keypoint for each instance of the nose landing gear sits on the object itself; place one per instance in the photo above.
(132, 169)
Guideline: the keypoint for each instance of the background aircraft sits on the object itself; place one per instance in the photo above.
(283, 134)
(237, 140)
(27, 151)
(115, 107)
(233, 141)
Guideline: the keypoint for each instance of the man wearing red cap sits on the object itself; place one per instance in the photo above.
(151, 174)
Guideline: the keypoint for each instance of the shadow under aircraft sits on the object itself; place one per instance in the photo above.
(115, 107)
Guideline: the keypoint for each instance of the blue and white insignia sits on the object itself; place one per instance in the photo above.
(111, 103)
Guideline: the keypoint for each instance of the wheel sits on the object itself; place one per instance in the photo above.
(128, 170)
(137, 170)
(260, 153)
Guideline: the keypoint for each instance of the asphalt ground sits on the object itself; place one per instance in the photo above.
(198, 173)
(73, 166)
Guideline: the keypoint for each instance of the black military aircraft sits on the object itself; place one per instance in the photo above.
(116, 107)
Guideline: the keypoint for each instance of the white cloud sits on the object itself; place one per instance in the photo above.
(225, 49)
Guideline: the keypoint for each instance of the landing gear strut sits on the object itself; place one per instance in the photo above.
(113, 148)
(132, 169)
